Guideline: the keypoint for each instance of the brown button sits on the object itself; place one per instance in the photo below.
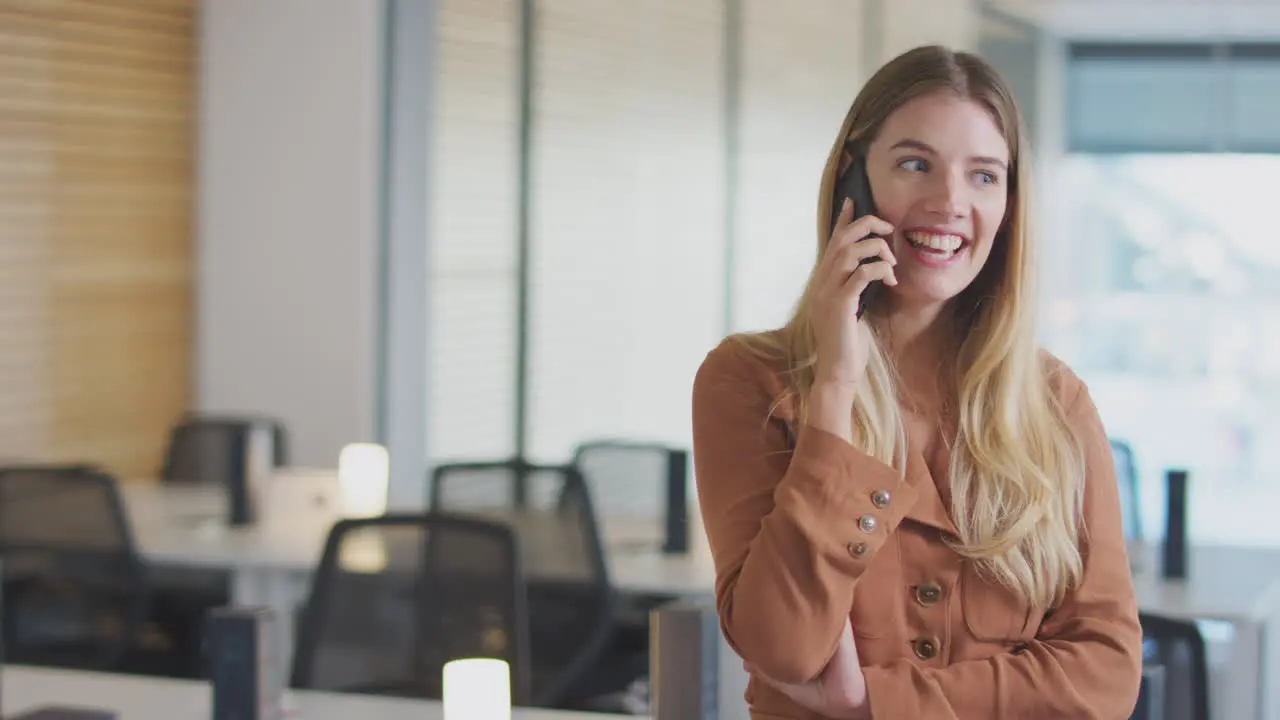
(926, 648)
(867, 523)
(928, 594)
(880, 498)
(857, 549)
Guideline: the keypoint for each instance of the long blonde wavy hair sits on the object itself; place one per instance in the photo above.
(1016, 468)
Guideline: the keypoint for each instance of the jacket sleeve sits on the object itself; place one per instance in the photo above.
(1086, 660)
(783, 525)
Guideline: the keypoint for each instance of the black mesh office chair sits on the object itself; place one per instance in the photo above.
(202, 448)
(647, 481)
(572, 604)
(75, 587)
(398, 596)
(1127, 479)
(1179, 648)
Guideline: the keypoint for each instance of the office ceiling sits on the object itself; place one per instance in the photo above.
(1151, 19)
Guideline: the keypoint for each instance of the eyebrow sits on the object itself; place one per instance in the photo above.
(925, 147)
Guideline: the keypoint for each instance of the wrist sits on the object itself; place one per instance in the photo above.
(831, 407)
(833, 390)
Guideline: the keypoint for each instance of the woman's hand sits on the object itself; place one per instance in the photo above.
(839, 691)
(843, 342)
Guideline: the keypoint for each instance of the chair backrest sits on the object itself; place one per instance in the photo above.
(398, 596)
(73, 580)
(571, 600)
(1127, 479)
(1151, 693)
(641, 481)
(204, 449)
(1179, 648)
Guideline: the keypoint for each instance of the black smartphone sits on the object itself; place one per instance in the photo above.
(855, 185)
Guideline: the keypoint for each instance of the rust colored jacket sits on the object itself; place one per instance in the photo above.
(807, 531)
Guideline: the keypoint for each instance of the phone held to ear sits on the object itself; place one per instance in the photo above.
(855, 185)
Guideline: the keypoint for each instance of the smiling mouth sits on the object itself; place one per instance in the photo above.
(940, 245)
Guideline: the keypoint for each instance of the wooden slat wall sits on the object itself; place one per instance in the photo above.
(473, 206)
(96, 126)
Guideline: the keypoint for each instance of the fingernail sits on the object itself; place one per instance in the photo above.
(845, 205)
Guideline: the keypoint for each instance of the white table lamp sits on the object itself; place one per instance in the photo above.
(362, 476)
(477, 689)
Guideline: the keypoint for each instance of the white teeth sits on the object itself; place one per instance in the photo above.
(942, 243)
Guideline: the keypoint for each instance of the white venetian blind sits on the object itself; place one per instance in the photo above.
(802, 65)
(471, 410)
(627, 218)
(96, 128)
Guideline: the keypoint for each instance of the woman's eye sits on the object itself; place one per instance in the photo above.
(914, 165)
(987, 178)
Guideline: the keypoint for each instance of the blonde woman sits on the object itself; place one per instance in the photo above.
(914, 514)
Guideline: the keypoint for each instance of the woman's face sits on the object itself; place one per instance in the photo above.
(939, 172)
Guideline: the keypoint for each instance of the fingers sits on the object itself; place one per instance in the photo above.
(847, 258)
(844, 254)
(858, 265)
(866, 274)
(848, 230)
(844, 218)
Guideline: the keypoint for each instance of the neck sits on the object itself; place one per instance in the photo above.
(918, 340)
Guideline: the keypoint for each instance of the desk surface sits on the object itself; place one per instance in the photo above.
(1223, 583)
(182, 526)
(139, 698)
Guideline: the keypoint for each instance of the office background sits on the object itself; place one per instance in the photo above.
(478, 228)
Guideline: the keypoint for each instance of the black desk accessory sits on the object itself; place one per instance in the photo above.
(242, 664)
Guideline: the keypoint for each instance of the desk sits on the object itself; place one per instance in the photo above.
(182, 526)
(271, 564)
(142, 698)
(1236, 585)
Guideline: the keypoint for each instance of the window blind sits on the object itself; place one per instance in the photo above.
(802, 65)
(627, 226)
(96, 128)
(1193, 97)
(471, 411)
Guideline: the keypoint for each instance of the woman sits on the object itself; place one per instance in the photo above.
(915, 514)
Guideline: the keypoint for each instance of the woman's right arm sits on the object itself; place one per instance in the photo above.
(786, 529)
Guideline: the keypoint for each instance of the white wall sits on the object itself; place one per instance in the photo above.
(287, 216)
(899, 25)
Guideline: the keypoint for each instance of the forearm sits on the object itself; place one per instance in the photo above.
(1089, 678)
(784, 608)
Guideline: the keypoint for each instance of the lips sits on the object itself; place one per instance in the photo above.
(936, 249)
(941, 243)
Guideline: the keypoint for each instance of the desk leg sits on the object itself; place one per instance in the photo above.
(1269, 664)
(274, 589)
(1237, 691)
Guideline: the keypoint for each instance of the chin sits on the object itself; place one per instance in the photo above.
(924, 295)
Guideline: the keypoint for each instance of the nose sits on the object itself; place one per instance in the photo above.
(947, 196)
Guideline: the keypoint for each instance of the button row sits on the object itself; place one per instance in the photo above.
(868, 523)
